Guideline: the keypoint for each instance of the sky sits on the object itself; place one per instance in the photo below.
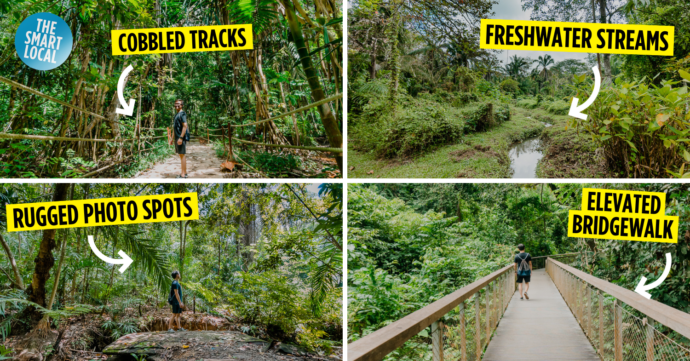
(512, 10)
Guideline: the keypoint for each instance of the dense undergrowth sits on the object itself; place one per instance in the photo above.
(264, 257)
(412, 244)
(420, 123)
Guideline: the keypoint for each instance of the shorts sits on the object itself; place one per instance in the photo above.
(176, 308)
(523, 278)
(182, 148)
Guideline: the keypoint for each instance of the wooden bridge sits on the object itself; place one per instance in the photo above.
(570, 315)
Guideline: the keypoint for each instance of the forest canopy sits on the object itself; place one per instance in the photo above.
(63, 122)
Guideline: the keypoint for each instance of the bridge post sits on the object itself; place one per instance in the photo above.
(589, 312)
(463, 333)
(488, 312)
(581, 291)
(437, 340)
(503, 293)
(494, 303)
(650, 339)
(477, 326)
(618, 330)
(601, 323)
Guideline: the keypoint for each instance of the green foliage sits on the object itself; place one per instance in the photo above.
(558, 107)
(528, 103)
(270, 163)
(267, 298)
(643, 128)
(462, 99)
(405, 252)
(119, 329)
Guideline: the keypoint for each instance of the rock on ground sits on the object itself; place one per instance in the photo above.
(197, 345)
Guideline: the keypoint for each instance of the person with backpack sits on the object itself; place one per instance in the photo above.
(175, 300)
(181, 136)
(523, 269)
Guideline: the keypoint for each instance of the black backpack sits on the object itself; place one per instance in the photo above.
(171, 296)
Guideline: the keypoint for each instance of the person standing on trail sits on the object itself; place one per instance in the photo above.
(175, 299)
(181, 136)
(523, 269)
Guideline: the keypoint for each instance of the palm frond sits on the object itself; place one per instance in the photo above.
(324, 277)
(145, 254)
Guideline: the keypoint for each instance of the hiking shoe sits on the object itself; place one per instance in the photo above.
(171, 330)
(527, 297)
(182, 329)
(521, 298)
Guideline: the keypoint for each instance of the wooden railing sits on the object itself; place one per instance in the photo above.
(619, 332)
(227, 132)
(540, 261)
(466, 333)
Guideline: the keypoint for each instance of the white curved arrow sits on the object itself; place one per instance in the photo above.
(125, 261)
(127, 109)
(576, 111)
(642, 289)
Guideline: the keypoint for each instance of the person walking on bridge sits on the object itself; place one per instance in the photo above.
(181, 136)
(523, 269)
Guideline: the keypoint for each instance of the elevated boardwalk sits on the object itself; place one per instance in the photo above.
(571, 315)
(541, 328)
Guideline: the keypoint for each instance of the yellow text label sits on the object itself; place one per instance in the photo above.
(576, 37)
(182, 40)
(623, 215)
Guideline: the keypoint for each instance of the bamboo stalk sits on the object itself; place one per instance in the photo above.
(47, 137)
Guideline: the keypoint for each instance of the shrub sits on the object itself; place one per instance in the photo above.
(462, 99)
(421, 123)
(502, 113)
(527, 103)
(486, 116)
(270, 163)
(510, 86)
(416, 130)
(643, 130)
(558, 107)
(466, 78)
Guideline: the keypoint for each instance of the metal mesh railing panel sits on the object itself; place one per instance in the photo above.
(616, 332)
(467, 333)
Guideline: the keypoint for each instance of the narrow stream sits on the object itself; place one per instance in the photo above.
(525, 156)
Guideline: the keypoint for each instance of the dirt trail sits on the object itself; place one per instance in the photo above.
(201, 163)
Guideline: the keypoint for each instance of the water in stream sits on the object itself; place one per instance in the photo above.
(524, 158)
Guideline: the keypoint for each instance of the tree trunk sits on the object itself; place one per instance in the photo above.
(45, 261)
(56, 283)
(17, 276)
(607, 57)
(335, 137)
(395, 60)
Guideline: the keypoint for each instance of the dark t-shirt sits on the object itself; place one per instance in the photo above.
(179, 121)
(176, 286)
(520, 256)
